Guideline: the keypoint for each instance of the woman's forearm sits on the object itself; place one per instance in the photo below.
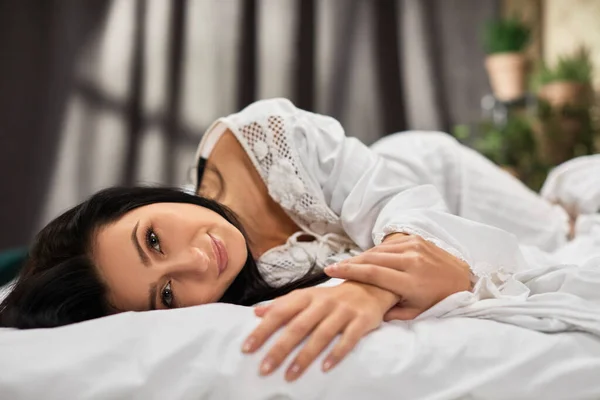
(385, 298)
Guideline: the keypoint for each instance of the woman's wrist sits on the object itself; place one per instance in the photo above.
(385, 298)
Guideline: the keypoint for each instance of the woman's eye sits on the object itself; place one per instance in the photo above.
(166, 295)
(152, 240)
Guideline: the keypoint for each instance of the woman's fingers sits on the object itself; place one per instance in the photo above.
(321, 337)
(398, 261)
(318, 315)
(401, 253)
(294, 333)
(385, 278)
(351, 336)
(280, 313)
(395, 246)
(261, 311)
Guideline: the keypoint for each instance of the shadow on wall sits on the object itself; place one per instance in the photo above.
(151, 76)
(42, 41)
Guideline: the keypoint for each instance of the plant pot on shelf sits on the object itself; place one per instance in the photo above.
(559, 131)
(507, 72)
(562, 93)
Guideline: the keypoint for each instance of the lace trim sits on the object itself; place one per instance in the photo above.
(497, 274)
(267, 143)
(295, 258)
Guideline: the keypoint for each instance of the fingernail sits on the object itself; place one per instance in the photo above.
(292, 372)
(248, 345)
(266, 366)
(328, 364)
(331, 268)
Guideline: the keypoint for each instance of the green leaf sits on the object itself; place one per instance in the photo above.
(507, 35)
(577, 67)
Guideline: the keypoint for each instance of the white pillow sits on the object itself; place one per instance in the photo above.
(194, 353)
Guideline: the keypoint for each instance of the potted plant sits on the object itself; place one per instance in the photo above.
(564, 111)
(569, 82)
(504, 41)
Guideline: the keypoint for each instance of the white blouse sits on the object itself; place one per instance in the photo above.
(346, 196)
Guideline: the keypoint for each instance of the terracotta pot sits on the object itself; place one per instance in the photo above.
(507, 75)
(561, 93)
(558, 136)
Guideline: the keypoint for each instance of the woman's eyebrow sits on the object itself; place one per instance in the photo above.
(143, 256)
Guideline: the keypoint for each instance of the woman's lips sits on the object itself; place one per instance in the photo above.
(220, 254)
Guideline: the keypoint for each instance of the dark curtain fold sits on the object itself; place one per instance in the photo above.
(176, 58)
(135, 120)
(344, 37)
(40, 42)
(247, 67)
(305, 55)
(389, 65)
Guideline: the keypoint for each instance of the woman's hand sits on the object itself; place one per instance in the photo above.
(318, 314)
(417, 271)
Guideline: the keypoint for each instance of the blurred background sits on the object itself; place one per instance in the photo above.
(97, 93)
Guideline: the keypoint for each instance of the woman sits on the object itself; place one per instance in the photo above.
(306, 197)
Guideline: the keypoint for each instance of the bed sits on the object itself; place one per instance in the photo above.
(194, 353)
(534, 336)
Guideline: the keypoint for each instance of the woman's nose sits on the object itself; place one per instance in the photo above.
(192, 260)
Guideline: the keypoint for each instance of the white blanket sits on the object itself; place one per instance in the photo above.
(195, 353)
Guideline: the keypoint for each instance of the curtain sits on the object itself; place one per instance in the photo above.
(99, 93)
(40, 42)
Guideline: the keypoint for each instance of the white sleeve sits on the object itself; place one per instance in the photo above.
(373, 200)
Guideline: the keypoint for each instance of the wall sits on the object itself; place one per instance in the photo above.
(569, 23)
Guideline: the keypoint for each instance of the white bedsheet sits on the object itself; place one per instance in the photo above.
(194, 354)
(559, 295)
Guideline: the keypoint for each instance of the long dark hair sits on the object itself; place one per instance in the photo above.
(60, 284)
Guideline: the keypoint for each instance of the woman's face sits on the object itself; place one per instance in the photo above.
(168, 255)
